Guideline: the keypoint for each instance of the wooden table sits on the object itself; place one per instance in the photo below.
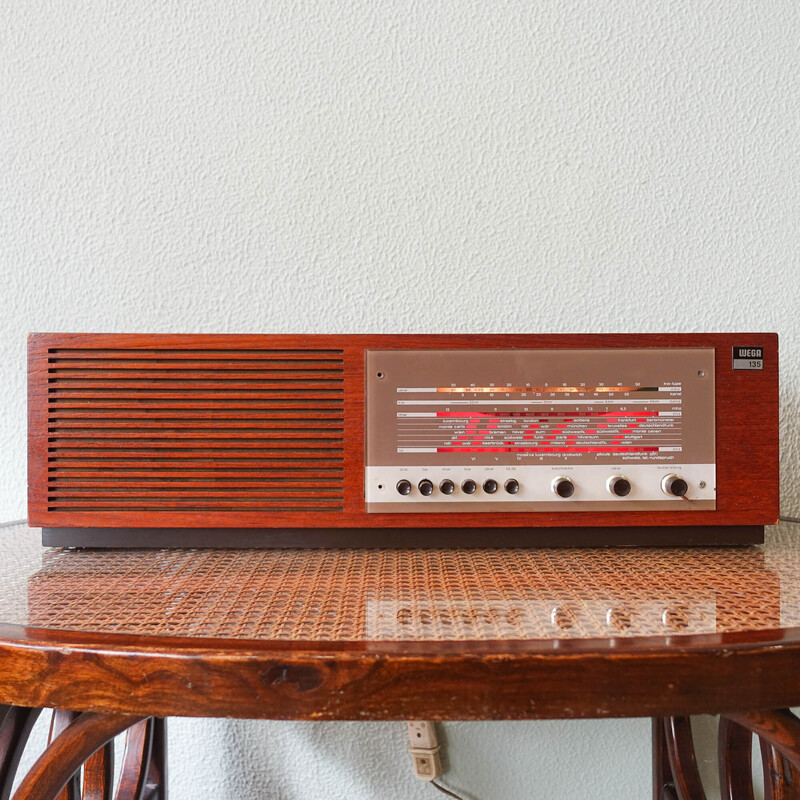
(118, 640)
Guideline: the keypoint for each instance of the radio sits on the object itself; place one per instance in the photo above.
(292, 440)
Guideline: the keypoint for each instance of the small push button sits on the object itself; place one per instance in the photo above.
(425, 487)
(447, 486)
(404, 487)
(469, 486)
(511, 486)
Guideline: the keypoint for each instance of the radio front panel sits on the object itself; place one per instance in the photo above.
(396, 440)
(540, 430)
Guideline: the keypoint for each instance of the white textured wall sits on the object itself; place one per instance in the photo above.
(449, 165)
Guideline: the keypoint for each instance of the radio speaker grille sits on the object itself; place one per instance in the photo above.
(195, 430)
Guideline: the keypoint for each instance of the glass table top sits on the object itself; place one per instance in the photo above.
(402, 595)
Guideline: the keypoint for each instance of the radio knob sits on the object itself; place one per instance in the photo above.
(563, 487)
(425, 487)
(469, 486)
(619, 485)
(674, 485)
(512, 485)
(447, 486)
(490, 486)
(404, 487)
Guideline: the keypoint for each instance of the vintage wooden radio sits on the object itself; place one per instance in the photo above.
(332, 440)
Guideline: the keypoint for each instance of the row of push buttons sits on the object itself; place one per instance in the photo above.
(426, 487)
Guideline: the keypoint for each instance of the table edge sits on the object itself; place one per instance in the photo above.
(545, 679)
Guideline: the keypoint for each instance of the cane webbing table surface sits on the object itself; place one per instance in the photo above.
(416, 595)
(374, 595)
(403, 634)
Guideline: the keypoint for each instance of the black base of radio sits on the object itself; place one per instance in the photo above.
(403, 537)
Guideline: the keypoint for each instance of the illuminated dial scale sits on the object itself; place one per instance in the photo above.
(540, 430)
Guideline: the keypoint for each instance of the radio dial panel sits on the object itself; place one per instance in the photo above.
(540, 430)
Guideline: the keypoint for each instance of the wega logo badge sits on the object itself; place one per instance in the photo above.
(748, 358)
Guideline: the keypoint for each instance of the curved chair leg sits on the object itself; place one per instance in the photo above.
(781, 779)
(675, 773)
(15, 728)
(734, 747)
(98, 774)
(780, 729)
(663, 786)
(59, 722)
(156, 784)
(68, 751)
(682, 760)
(144, 766)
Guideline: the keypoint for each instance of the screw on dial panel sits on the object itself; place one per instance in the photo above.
(511, 486)
(404, 487)
(447, 486)
(674, 486)
(469, 486)
(563, 487)
(618, 485)
(490, 486)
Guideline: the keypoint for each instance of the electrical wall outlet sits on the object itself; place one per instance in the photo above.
(424, 749)
(427, 765)
(422, 734)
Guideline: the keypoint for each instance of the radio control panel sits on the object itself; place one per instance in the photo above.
(540, 430)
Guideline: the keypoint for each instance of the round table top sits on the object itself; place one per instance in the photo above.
(395, 634)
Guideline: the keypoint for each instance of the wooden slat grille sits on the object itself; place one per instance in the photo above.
(195, 430)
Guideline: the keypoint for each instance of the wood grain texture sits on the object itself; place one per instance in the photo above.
(155, 675)
(59, 722)
(780, 729)
(781, 779)
(663, 784)
(155, 787)
(98, 774)
(746, 432)
(16, 725)
(734, 749)
(682, 759)
(68, 751)
(136, 761)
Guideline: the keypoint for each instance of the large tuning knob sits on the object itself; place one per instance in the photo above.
(563, 487)
(618, 485)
